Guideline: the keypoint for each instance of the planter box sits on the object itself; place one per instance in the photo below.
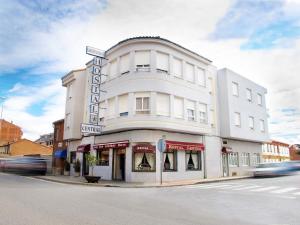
(92, 179)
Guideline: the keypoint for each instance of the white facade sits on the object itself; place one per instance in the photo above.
(156, 88)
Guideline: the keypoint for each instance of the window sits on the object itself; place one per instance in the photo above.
(124, 63)
(190, 105)
(200, 73)
(193, 160)
(111, 108)
(178, 107)
(102, 157)
(251, 122)
(245, 159)
(259, 99)
(163, 104)
(202, 113)
(101, 109)
(72, 157)
(237, 119)
(123, 105)
(162, 62)
(144, 161)
(233, 159)
(170, 160)
(177, 67)
(262, 125)
(189, 72)
(249, 94)
(104, 72)
(142, 103)
(113, 69)
(142, 61)
(235, 89)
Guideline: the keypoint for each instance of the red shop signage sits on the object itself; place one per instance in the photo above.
(184, 146)
(141, 148)
(118, 144)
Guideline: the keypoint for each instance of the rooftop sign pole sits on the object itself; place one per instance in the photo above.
(93, 127)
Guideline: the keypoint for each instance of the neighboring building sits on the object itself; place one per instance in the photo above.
(59, 147)
(25, 147)
(9, 132)
(155, 88)
(275, 151)
(243, 122)
(45, 139)
(295, 152)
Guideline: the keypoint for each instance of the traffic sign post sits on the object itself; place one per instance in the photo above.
(161, 145)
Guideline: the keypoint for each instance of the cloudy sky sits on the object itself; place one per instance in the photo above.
(41, 40)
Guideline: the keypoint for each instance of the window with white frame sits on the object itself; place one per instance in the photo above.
(190, 107)
(251, 122)
(245, 159)
(262, 125)
(111, 108)
(178, 107)
(193, 160)
(142, 102)
(113, 69)
(189, 72)
(233, 159)
(200, 73)
(123, 105)
(202, 113)
(255, 159)
(162, 62)
(142, 61)
(249, 94)
(235, 89)
(177, 67)
(124, 63)
(237, 119)
(163, 104)
(259, 99)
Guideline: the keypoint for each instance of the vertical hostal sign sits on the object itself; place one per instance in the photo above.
(93, 127)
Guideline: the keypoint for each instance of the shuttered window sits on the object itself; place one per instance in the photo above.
(101, 110)
(177, 67)
(178, 107)
(189, 72)
(163, 104)
(162, 62)
(111, 107)
(123, 105)
(190, 106)
(113, 69)
(142, 60)
(202, 113)
(104, 72)
(200, 76)
(124, 63)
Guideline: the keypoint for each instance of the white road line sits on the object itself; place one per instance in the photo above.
(210, 186)
(246, 188)
(265, 189)
(297, 193)
(234, 186)
(284, 190)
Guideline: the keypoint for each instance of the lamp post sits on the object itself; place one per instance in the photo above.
(2, 106)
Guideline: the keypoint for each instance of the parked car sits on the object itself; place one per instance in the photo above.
(24, 165)
(273, 169)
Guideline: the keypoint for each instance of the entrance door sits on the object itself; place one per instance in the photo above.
(119, 164)
(85, 164)
(225, 164)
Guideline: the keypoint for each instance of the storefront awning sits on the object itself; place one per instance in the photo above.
(84, 148)
(184, 146)
(144, 148)
(60, 154)
(226, 149)
(117, 144)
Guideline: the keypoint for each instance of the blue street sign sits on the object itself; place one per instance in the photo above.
(161, 145)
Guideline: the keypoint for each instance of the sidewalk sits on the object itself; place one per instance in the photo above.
(122, 184)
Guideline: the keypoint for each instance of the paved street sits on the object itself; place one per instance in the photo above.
(273, 201)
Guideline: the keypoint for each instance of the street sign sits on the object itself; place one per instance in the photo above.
(161, 145)
(95, 52)
(90, 129)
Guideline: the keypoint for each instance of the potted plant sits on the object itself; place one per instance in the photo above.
(77, 166)
(92, 161)
(67, 168)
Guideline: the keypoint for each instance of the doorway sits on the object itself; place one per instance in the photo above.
(118, 169)
(225, 164)
(85, 164)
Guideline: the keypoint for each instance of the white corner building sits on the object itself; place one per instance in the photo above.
(155, 88)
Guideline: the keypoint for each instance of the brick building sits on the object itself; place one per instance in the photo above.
(9, 132)
(275, 151)
(295, 152)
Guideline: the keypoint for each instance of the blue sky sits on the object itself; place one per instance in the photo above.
(41, 40)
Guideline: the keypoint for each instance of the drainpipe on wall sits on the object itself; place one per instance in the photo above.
(204, 160)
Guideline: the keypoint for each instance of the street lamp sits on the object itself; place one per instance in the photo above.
(2, 106)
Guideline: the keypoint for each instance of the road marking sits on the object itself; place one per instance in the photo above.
(246, 188)
(265, 189)
(234, 186)
(284, 190)
(209, 186)
(297, 193)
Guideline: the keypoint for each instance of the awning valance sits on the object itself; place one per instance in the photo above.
(117, 144)
(144, 148)
(60, 154)
(184, 146)
(84, 148)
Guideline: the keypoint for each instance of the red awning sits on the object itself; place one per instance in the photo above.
(117, 144)
(184, 146)
(226, 149)
(144, 148)
(84, 148)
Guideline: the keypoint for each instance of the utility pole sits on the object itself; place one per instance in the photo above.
(2, 106)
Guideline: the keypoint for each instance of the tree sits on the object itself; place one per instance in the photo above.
(92, 161)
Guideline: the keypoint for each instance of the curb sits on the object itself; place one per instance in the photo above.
(140, 186)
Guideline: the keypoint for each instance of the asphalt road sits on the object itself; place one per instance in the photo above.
(273, 201)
